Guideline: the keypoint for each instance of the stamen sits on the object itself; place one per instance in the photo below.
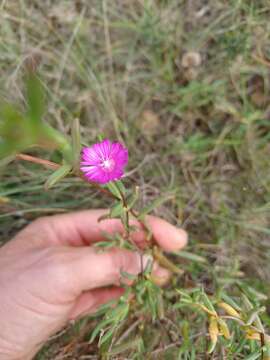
(108, 164)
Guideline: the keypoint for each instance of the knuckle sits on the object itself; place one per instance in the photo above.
(118, 259)
(42, 222)
(38, 229)
(124, 260)
(43, 228)
(39, 226)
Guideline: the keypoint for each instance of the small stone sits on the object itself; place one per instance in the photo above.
(191, 59)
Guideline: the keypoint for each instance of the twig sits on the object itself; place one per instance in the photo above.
(164, 348)
(36, 160)
(128, 331)
(55, 166)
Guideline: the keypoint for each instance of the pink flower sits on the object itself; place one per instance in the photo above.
(104, 162)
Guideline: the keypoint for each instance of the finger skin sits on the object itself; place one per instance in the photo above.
(83, 228)
(49, 274)
(39, 290)
(89, 301)
(89, 269)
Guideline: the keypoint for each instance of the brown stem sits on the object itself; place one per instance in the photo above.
(262, 344)
(36, 160)
(146, 229)
(98, 187)
(54, 166)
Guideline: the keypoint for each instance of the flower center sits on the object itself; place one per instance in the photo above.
(108, 164)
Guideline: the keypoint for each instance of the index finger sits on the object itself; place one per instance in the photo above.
(83, 228)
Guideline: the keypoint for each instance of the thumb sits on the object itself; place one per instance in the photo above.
(91, 269)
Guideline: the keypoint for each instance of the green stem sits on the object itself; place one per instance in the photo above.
(124, 202)
(128, 237)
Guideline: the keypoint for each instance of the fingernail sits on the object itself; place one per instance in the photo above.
(160, 276)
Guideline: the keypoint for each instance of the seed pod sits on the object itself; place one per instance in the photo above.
(252, 334)
(224, 328)
(213, 332)
(204, 308)
(229, 309)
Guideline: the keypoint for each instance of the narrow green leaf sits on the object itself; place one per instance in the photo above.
(104, 244)
(133, 199)
(230, 301)
(184, 296)
(112, 187)
(6, 149)
(127, 275)
(254, 356)
(255, 293)
(185, 332)
(124, 220)
(190, 256)
(152, 298)
(253, 316)
(247, 304)
(117, 210)
(6, 160)
(106, 336)
(35, 98)
(76, 142)
(224, 329)
(16, 132)
(152, 305)
(98, 328)
(259, 324)
(58, 175)
(121, 186)
(156, 203)
(11, 120)
(53, 138)
(104, 308)
(104, 217)
(207, 302)
(119, 312)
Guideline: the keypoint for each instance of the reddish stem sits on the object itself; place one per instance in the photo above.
(36, 160)
(54, 166)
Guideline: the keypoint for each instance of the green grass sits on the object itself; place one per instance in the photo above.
(112, 63)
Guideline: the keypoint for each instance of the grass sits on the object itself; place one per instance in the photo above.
(199, 131)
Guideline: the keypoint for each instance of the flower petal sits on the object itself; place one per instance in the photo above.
(103, 149)
(119, 153)
(93, 158)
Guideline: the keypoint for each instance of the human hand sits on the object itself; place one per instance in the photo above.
(49, 275)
